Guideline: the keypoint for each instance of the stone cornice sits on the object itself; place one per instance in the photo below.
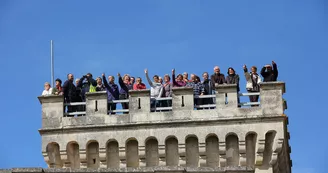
(159, 124)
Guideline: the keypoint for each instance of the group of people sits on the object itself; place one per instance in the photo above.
(159, 87)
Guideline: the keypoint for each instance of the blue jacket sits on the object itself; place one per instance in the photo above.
(112, 90)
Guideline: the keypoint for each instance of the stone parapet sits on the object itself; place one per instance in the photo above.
(226, 101)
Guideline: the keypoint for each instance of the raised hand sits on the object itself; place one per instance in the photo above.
(173, 71)
(273, 63)
(103, 74)
(244, 66)
(146, 71)
(118, 74)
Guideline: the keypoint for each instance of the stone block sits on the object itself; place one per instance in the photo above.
(96, 103)
(52, 122)
(182, 98)
(139, 101)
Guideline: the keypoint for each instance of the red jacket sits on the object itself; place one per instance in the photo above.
(139, 86)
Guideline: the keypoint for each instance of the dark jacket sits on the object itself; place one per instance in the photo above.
(69, 91)
(112, 90)
(208, 87)
(101, 87)
(79, 92)
(270, 75)
(124, 87)
(233, 79)
(217, 78)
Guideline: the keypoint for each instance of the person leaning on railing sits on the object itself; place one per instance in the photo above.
(58, 90)
(112, 92)
(208, 89)
(252, 85)
(47, 89)
(139, 85)
(217, 78)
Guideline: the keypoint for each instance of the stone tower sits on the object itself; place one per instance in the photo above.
(222, 138)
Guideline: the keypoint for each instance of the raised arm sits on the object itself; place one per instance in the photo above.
(148, 79)
(173, 80)
(247, 75)
(275, 69)
(81, 82)
(122, 84)
(105, 81)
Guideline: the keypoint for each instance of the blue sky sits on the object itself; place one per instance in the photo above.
(193, 36)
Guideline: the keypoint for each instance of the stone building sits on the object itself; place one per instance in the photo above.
(222, 137)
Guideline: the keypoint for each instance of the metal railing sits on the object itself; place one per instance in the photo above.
(249, 103)
(78, 108)
(210, 105)
(118, 110)
(161, 108)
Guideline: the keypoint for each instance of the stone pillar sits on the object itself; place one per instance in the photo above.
(96, 103)
(162, 154)
(242, 152)
(83, 157)
(52, 110)
(139, 101)
(102, 158)
(122, 155)
(259, 151)
(182, 98)
(271, 100)
(226, 96)
(222, 153)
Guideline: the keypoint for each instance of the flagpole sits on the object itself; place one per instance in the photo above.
(52, 63)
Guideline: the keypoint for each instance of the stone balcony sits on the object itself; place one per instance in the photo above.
(226, 108)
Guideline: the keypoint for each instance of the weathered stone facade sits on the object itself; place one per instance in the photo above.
(226, 139)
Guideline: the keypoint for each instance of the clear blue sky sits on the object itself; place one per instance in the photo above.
(193, 36)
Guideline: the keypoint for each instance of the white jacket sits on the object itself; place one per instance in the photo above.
(156, 89)
(46, 93)
(249, 84)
